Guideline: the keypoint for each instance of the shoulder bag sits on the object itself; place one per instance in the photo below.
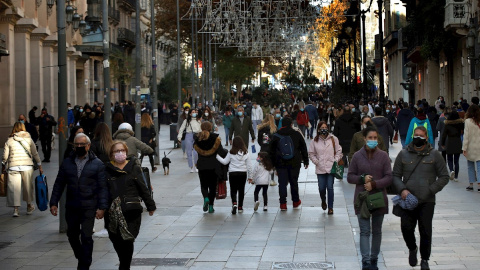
(35, 165)
(391, 189)
(3, 184)
(337, 168)
(375, 201)
(397, 209)
(184, 133)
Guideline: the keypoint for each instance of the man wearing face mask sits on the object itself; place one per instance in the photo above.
(82, 175)
(278, 118)
(420, 170)
(241, 126)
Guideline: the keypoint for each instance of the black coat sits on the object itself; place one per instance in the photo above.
(87, 192)
(222, 170)
(345, 126)
(207, 152)
(128, 182)
(451, 136)
(299, 145)
(148, 134)
(46, 127)
(403, 121)
(264, 145)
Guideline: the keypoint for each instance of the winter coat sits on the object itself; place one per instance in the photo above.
(440, 127)
(358, 142)
(239, 162)
(378, 167)
(87, 192)
(134, 145)
(260, 175)
(264, 138)
(430, 176)
(323, 154)
(227, 120)
(300, 147)
(312, 112)
(302, 118)
(404, 118)
(32, 130)
(88, 123)
(148, 134)
(96, 148)
(392, 119)
(345, 126)
(207, 152)
(242, 130)
(46, 127)
(433, 118)
(451, 136)
(257, 114)
(191, 127)
(128, 182)
(222, 170)
(14, 154)
(129, 112)
(471, 140)
(384, 128)
(419, 122)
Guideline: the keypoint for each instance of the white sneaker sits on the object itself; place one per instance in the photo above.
(265, 208)
(456, 180)
(255, 207)
(452, 175)
(30, 208)
(15, 212)
(273, 183)
(184, 155)
(196, 170)
(192, 170)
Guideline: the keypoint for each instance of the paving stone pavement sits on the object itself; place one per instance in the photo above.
(180, 229)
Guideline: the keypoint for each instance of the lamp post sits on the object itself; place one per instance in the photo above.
(179, 75)
(380, 33)
(364, 56)
(153, 92)
(138, 133)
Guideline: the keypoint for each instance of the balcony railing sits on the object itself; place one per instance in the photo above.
(114, 15)
(126, 37)
(456, 14)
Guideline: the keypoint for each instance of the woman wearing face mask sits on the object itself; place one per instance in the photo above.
(208, 116)
(192, 126)
(302, 120)
(358, 141)
(181, 119)
(371, 171)
(125, 184)
(324, 150)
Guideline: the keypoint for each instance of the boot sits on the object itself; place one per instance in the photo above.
(210, 209)
(206, 201)
(324, 203)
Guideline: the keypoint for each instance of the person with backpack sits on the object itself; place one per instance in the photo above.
(287, 151)
(239, 169)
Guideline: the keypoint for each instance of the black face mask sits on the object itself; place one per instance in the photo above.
(80, 151)
(324, 131)
(419, 142)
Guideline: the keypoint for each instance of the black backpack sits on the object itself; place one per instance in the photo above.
(285, 147)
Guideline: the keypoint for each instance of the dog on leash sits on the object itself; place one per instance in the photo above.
(166, 164)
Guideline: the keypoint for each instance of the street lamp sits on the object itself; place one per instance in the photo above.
(76, 20)
(471, 43)
(69, 10)
(82, 26)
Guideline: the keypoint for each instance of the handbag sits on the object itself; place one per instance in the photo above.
(3, 184)
(375, 201)
(395, 137)
(221, 190)
(35, 165)
(337, 167)
(132, 205)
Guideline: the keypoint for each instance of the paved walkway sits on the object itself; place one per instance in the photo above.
(181, 236)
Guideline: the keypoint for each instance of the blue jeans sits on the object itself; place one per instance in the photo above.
(375, 230)
(285, 176)
(227, 132)
(473, 171)
(325, 183)
(453, 160)
(403, 138)
(310, 132)
(191, 153)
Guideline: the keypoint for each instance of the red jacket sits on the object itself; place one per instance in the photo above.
(302, 118)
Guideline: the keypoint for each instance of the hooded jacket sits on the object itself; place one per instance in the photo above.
(207, 152)
(452, 136)
(300, 147)
(430, 176)
(14, 154)
(134, 145)
(323, 154)
(345, 126)
(404, 118)
(239, 162)
(419, 121)
(471, 140)
(384, 128)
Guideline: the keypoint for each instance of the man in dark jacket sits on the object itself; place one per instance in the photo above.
(288, 170)
(241, 126)
(32, 117)
(345, 127)
(83, 175)
(384, 127)
(312, 118)
(129, 112)
(404, 117)
(46, 123)
(423, 181)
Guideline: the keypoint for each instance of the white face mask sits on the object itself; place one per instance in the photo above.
(206, 114)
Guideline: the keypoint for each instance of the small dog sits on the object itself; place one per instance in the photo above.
(166, 164)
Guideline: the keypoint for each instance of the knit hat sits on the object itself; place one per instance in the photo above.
(125, 126)
(409, 203)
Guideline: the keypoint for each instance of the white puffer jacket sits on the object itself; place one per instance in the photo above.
(14, 154)
(260, 175)
(471, 140)
(238, 163)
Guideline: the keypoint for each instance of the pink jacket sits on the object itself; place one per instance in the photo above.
(321, 153)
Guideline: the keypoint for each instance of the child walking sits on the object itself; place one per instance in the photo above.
(239, 168)
(260, 177)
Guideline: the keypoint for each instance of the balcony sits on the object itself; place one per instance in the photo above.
(113, 15)
(3, 46)
(127, 5)
(126, 37)
(456, 14)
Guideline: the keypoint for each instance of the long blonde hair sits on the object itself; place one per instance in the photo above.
(269, 120)
(146, 121)
(17, 127)
(205, 133)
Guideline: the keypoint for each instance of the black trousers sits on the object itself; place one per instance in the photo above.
(150, 157)
(237, 185)
(288, 175)
(123, 248)
(423, 214)
(46, 143)
(264, 193)
(80, 224)
(208, 184)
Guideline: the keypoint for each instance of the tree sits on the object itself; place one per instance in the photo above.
(168, 89)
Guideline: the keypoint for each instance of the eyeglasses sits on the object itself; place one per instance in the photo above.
(120, 151)
(80, 144)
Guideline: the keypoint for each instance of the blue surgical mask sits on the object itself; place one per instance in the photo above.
(81, 110)
(387, 111)
(353, 109)
(277, 115)
(239, 113)
(372, 144)
(194, 115)
(302, 109)
(258, 160)
(21, 121)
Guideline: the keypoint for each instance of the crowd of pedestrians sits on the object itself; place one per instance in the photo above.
(357, 134)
